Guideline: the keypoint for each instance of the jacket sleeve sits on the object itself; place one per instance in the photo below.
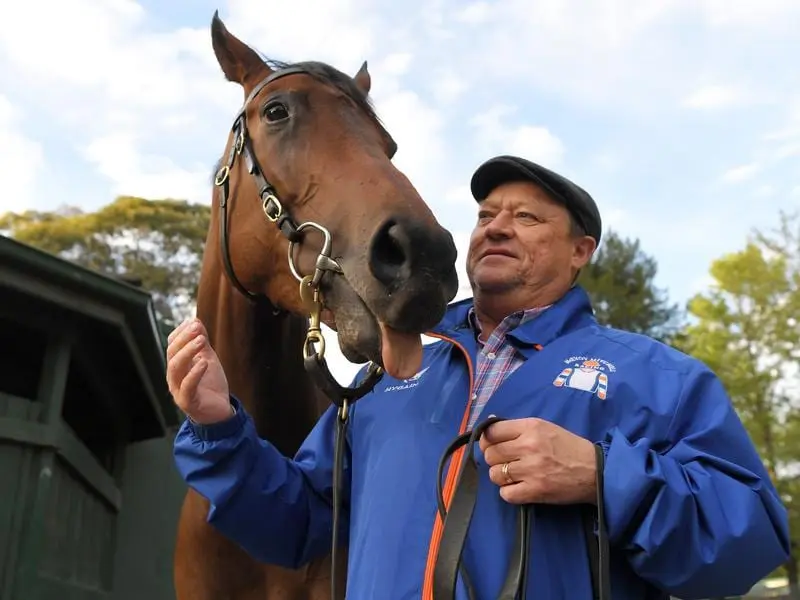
(700, 519)
(277, 509)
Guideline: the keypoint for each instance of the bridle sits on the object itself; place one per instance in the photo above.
(271, 205)
(458, 518)
(275, 212)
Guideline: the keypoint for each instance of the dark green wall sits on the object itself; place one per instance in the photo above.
(152, 493)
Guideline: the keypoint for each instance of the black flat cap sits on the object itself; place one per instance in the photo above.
(503, 169)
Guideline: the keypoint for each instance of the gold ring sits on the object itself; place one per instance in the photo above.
(505, 473)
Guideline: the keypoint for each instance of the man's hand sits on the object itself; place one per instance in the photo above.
(546, 463)
(195, 376)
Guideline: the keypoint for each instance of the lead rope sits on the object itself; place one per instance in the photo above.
(342, 415)
(342, 397)
(457, 519)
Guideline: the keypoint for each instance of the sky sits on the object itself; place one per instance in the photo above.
(680, 117)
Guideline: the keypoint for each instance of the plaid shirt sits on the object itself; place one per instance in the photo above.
(497, 359)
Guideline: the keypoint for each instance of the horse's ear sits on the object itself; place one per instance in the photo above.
(239, 61)
(362, 79)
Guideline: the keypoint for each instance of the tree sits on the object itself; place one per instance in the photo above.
(620, 282)
(157, 244)
(747, 331)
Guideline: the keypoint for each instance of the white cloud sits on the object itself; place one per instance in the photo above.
(417, 129)
(22, 161)
(475, 13)
(713, 97)
(461, 239)
(784, 142)
(396, 64)
(124, 88)
(342, 33)
(460, 194)
(741, 173)
(535, 142)
(595, 53)
(765, 191)
(607, 160)
(772, 14)
(615, 218)
(81, 54)
(448, 87)
(135, 173)
(629, 55)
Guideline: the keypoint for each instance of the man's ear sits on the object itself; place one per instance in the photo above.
(583, 250)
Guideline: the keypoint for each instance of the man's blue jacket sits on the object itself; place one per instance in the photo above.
(690, 507)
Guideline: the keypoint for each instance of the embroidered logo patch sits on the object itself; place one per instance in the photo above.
(406, 384)
(588, 374)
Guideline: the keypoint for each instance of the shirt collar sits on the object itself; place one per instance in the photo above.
(509, 323)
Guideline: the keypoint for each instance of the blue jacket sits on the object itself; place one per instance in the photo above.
(690, 507)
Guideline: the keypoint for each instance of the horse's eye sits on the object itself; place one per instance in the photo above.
(275, 111)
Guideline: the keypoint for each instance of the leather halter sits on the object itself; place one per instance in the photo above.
(273, 209)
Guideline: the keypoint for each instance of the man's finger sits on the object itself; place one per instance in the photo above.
(515, 493)
(497, 454)
(502, 431)
(177, 331)
(497, 476)
(188, 389)
(186, 335)
(179, 365)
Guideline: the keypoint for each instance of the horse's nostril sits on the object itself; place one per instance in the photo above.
(389, 253)
(388, 249)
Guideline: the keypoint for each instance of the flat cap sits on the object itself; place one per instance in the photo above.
(506, 168)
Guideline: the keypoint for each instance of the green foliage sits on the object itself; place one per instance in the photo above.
(747, 330)
(620, 282)
(157, 244)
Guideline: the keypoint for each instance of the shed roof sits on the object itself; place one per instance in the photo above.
(114, 321)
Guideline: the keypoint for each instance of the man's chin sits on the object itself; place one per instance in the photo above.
(494, 285)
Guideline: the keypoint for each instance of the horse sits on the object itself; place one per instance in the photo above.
(311, 223)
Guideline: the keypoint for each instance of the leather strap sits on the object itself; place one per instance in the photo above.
(342, 397)
(457, 521)
(317, 369)
(459, 517)
(597, 543)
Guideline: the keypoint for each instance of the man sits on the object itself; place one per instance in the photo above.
(690, 509)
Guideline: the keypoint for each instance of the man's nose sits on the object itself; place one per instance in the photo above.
(500, 225)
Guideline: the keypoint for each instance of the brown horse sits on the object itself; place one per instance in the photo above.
(305, 148)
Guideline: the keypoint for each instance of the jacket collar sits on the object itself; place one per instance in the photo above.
(572, 311)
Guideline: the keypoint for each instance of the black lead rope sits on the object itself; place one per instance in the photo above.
(338, 472)
(457, 520)
(343, 398)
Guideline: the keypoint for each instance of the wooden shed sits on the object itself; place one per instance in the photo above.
(88, 492)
